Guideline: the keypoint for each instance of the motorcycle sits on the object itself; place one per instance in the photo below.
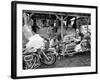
(76, 47)
(33, 58)
(73, 47)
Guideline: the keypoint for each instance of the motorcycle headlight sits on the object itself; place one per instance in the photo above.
(34, 50)
(42, 48)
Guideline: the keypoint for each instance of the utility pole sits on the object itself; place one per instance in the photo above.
(62, 27)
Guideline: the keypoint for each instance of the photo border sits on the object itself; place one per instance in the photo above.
(14, 38)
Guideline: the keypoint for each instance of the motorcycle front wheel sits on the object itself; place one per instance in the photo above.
(51, 59)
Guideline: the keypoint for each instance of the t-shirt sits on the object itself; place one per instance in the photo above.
(70, 33)
(43, 32)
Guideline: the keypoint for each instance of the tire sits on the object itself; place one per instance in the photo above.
(71, 55)
(52, 59)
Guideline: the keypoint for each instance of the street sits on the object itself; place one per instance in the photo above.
(78, 60)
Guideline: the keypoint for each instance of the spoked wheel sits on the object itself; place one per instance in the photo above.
(51, 59)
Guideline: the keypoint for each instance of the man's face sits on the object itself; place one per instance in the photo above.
(84, 29)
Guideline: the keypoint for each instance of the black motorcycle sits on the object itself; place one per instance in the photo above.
(35, 57)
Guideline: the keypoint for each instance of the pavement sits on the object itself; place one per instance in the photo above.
(78, 60)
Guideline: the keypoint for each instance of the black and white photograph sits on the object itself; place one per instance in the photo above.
(53, 39)
(56, 39)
